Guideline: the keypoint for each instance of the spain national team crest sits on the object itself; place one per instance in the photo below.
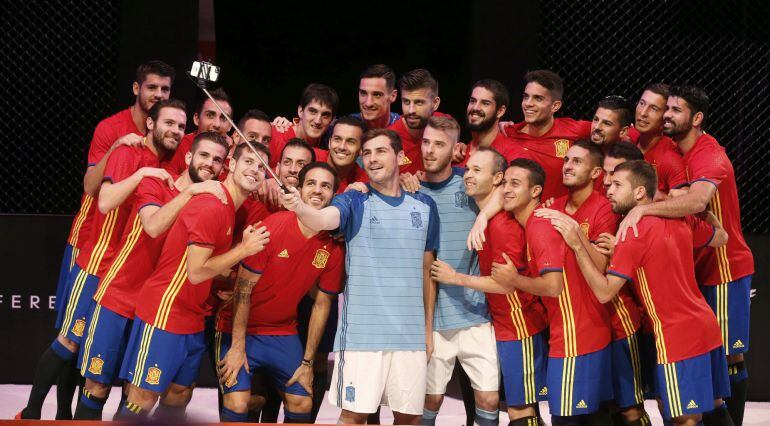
(416, 220)
(153, 376)
(320, 258)
(584, 227)
(562, 146)
(461, 200)
(79, 327)
(95, 367)
(405, 161)
(350, 394)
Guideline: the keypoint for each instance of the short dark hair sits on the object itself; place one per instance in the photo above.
(536, 172)
(395, 139)
(253, 114)
(499, 163)
(594, 152)
(380, 71)
(626, 151)
(499, 91)
(548, 79)
(661, 89)
(621, 106)
(319, 165)
(350, 120)
(641, 173)
(321, 93)
(209, 136)
(695, 97)
(219, 95)
(298, 143)
(154, 67)
(263, 150)
(166, 103)
(416, 79)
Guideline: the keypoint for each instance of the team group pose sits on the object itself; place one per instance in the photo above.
(589, 264)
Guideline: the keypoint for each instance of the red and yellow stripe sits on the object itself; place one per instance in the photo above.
(517, 316)
(660, 340)
(125, 251)
(72, 301)
(568, 320)
(725, 275)
(108, 227)
(141, 357)
(622, 312)
(166, 302)
(85, 207)
(90, 339)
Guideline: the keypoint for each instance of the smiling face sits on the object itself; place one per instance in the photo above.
(314, 119)
(606, 128)
(577, 169)
(209, 119)
(678, 118)
(374, 98)
(257, 131)
(344, 145)
(317, 188)
(480, 178)
(380, 160)
(206, 161)
(482, 112)
(417, 107)
(517, 189)
(247, 171)
(537, 104)
(293, 159)
(167, 131)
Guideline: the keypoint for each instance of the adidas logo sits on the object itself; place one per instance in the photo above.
(581, 404)
(692, 405)
(738, 344)
(374, 221)
(284, 253)
(544, 391)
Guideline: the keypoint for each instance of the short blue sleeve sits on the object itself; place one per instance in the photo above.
(434, 223)
(351, 207)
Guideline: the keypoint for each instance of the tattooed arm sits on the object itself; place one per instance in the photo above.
(235, 358)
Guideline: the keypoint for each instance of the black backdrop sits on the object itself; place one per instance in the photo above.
(73, 66)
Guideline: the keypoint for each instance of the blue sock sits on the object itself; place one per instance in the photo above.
(291, 417)
(486, 418)
(61, 351)
(428, 417)
(229, 416)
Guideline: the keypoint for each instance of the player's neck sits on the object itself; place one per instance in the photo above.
(139, 117)
(687, 141)
(522, 214)
(388, 188)
(379, 122)
(483, 200)
(647, 141)
(183, 181)
(485, 138)
(342, 171)
(306, 232)
(236, 193)
(301, 134)
(539, 129)
(416, 134)
(439, 176)
(578, 196)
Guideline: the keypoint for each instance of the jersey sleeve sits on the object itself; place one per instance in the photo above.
(547, 247)
(351, 207)
(626, 258)
(149, 193)
(332, 278)
(103, 138)
(702, 231)
(434, 226)
(203, 219)
(121, 164)
(710, 165)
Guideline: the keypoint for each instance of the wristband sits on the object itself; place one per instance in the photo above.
(307, 362)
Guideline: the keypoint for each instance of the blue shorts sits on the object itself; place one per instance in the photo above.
(156, 358)
(67, 263)
(523, 364)
(104, 346)
(691, 385)
(72, 319)
(578, 385)
(304, 309)
(730, 302)
(648, 353)
(279, 355)
(627, 384)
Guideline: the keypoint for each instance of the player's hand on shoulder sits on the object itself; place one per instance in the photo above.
(548, 203)
(212, 187)
(605, 244)
(629, 222)
(254, 239)
(157, 173)
(503, 125)
(409, 182)
(282, 124)
(131, 139)
(458, 155)
(357, 186)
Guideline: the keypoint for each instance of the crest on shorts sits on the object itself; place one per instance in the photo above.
(416, 220)
(153, 375)
(350, 394)
(584, 227)
(320, 259)
(562, 146)
(95, 367)
(461, 200)
(79, 327)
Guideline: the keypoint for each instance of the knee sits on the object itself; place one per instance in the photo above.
(487, 400)
(298, 404)
(68, 343)
(433, 402)
(142, 397)
(734, 359)
(236, 401)
(97, 389)
(178, 395)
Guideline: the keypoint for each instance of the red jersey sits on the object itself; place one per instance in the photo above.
(168, 300)
(516, 315)
(549, 149)
(106, 133)
(137, 252)
(356, 173)
(98, 252)
(595, 217)
(501, 144)
(668, 163)
(177, 166)
(412, 162)
(578, 323)
(659, 263)
(707, 161)
(279, 140)
(289, 266)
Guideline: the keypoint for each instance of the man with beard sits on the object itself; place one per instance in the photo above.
(344, 148)
(658, 149)
(488, 103)
(578, 376)
(153, 210)
(207, 118)
(376, 92)
(691, 373)
(611, 122)
(166, 341)
(517, 316)
(384, 339)
(724, 274)
(295, 154)
(260, 330)
(419, 101)
(124, 170)
(581, 172)
(461, 325)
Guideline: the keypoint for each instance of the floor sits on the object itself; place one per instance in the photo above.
(204, 402)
